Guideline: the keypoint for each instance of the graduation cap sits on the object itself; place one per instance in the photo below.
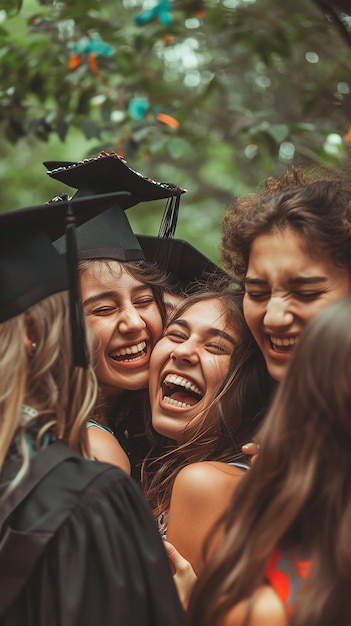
(110, 234)
(185, 265)
(30, 267)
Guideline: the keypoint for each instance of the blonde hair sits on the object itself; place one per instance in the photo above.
(62, 394)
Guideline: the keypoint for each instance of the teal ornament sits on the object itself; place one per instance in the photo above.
(94, 44)
(161, 10)
(137, 108)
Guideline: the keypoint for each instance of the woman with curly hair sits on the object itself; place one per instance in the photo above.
(289, 246)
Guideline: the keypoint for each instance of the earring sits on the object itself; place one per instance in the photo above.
(34, 347)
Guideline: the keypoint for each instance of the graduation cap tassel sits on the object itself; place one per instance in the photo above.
(79, 346)
(163, 253)
(170, 217)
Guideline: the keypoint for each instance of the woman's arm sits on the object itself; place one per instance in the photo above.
(200, 494)
(104, 447)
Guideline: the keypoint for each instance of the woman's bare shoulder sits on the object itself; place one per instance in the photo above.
(266, 609)
(204, 473)
(104, 447)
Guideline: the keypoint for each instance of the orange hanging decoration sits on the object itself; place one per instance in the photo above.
(167, 119)
(347, 137)
(168, 40)
(74, 61)
(92, 63)
(120, 148)
(94, 68)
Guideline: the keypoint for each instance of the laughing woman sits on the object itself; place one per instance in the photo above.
(123, 301)
(78, 543)
(289, 247)
(123, 305)
(208, 386)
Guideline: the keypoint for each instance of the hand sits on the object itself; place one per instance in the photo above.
(252, 449)
(183, 574)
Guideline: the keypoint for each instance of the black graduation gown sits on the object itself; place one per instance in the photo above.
(106, 564)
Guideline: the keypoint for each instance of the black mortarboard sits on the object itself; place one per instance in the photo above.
(185, 265)
(30, 267)
(110, 234)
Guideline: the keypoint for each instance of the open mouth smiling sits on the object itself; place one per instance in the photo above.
(130, 353)
(180, 392)
(282, 344)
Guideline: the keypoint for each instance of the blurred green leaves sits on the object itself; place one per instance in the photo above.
(252, 87)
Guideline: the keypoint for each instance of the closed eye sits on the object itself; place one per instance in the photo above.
(103, 310)
(218, 348)
(258, 295)
(175, 335)
(311, 295)
(144, 301)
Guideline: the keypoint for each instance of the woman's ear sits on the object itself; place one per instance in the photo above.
(30, 344)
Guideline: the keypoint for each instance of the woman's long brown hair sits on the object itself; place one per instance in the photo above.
(128, 413)
(298, 492)
(237, 408)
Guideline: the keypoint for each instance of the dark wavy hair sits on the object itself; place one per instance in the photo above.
(127, 415)
(314, 203)
(237, 407)
(298, 492)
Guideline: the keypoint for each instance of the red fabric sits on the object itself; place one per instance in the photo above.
(284, 573)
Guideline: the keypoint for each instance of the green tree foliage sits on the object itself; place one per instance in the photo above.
(212, 95)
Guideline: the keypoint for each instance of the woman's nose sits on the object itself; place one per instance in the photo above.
(130, 320)
(185, 353)
(278, 313)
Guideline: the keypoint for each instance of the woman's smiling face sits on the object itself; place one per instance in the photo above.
(285, 287)
(125, 319)
(188, 365)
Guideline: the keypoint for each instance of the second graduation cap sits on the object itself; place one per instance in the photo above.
(185, 265)
(30, 267)
(110, 235)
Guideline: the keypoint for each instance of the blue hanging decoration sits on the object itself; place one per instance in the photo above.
(138, 107)
(92, 45)
(162, 11)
